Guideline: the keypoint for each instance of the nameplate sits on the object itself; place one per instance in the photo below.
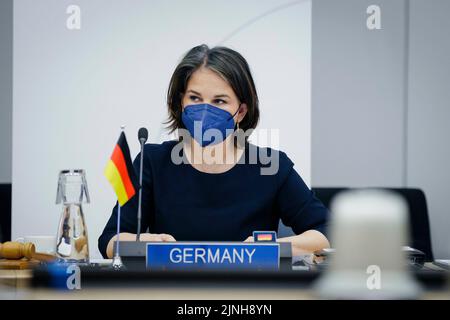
(231, 256)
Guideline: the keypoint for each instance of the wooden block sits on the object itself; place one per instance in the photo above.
(21, 264)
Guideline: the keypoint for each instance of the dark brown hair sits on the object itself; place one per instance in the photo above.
(230, 65)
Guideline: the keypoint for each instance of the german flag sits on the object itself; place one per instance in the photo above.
(120, 172)
(264, 237)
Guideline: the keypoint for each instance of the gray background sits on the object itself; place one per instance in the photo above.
(428, 114)
(380, 101)
(6, 55)
(380, 106)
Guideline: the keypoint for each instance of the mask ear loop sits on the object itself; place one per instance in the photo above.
(235, 113)
(237, 123)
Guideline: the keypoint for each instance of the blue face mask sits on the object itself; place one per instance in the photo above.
(200, 118)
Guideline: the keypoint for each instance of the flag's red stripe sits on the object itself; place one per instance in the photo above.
(119, 160)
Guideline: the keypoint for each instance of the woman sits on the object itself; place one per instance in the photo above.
(207, 187)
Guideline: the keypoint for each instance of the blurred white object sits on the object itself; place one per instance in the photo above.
(43, 244)
(368, 229)
(105, 262)
(445, 264)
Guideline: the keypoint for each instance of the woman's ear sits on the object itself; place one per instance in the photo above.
(242, 112)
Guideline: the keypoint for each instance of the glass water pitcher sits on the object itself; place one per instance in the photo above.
(72, 238)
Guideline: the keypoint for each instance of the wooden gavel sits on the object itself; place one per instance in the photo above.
(17, 250)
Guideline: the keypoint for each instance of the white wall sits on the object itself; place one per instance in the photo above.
(73, 89)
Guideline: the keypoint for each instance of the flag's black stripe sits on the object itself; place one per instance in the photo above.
(123, 145)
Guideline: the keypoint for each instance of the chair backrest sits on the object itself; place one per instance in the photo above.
(418, 213)
(5, 212)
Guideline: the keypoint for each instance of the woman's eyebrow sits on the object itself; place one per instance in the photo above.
(216, 96)
(194, 92)
(222, 96)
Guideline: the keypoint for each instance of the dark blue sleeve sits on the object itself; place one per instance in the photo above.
(297, 205)
(128, 213)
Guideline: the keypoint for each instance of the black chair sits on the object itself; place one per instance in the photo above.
(5, 212)
(418, 212)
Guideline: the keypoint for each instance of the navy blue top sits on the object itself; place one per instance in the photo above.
(191, 205)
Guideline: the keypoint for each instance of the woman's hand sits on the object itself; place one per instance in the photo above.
(305, 243)
(155, 237)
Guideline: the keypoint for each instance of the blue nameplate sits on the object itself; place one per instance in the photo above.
(227, 255)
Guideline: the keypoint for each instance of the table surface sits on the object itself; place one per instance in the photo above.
(15, 284)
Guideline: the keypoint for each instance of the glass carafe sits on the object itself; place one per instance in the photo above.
(72, 237)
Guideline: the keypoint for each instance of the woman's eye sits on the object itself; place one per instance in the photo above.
(194, 98)
(220, 101)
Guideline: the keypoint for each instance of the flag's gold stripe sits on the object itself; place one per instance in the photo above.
(113, 176)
